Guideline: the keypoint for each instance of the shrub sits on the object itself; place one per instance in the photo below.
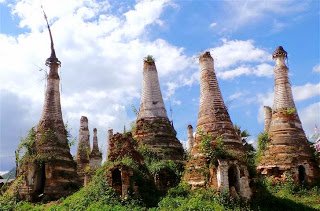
(263, 140)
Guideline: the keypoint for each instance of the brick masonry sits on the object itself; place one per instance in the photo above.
(214, 120)
(288, 150)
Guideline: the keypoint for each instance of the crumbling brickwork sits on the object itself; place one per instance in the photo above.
(190, 137)
(153, 127)
(214, 120)
(288, 150)
(83, 150)
(51, 173)
(95, 155)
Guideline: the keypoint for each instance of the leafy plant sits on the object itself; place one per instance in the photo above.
(213, 149)
(149, 59)
(263, 140)
(290, 111)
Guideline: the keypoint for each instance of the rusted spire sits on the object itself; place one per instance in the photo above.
(52, 59)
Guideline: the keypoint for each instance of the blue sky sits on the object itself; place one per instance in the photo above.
(101, 45)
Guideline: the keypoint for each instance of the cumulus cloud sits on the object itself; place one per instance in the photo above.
(233, 52)
(309, 117)
(305, 91)
(102, 60)
(235, 58)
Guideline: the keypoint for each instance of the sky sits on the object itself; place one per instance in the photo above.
(101, 45)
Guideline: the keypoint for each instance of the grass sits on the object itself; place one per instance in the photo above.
(99, 196)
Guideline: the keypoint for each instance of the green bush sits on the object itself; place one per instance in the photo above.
(263, 140)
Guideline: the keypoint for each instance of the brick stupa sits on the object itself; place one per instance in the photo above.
(50, 172)
(95, 155)
(83, 150)
(288, 150)
(153, 127)
(213, 119)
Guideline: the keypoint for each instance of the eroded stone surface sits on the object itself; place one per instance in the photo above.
(288, 150)
(83, 150)
(95, 155)
(120, 176)
(153, 127)
(190, 137)
(214, 120)
(51, 173)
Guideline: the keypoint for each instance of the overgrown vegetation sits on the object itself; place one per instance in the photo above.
(263, 140)
(290, 111)
(213, 149)
(98, 195)
(149, 59)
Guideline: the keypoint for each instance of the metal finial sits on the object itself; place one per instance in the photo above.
(52, 59)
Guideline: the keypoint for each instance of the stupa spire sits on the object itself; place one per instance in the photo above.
(83, 150)
(52, 173)
(95, 155)
(53, 58)
(288, 150)
(151, 100)
(283, 94)
(214, 123)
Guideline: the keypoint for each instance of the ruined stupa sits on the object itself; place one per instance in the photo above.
(190, 137)
(95, 155)
(153, 127)
(120, 176)
(49, 172)
(83, 150)
(288, 150)
(226, 172)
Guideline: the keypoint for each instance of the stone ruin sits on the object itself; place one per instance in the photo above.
(190, 137)
(228, 173)
(95, 155)
(50, 173)
(288, 150)
(87, 160)
(83, 150)
(120, 176)
(153, 127)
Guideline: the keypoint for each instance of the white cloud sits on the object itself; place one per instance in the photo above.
(101, 54)
(234, 52)
(310, 116)
(261, 70)
(213, 24)
(3, 172)
(236, 95)
(305, 91)
(316, 68)
(277, 26)
(251, 11)
(264, 100)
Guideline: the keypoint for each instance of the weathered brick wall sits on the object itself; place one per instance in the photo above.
(95, 155)
(267, 117)
(190, 137)
(288, 147)
(153, 127)
(83, 149)
(151, 99)
(55, 175)
(282, 89)
(214, 120)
